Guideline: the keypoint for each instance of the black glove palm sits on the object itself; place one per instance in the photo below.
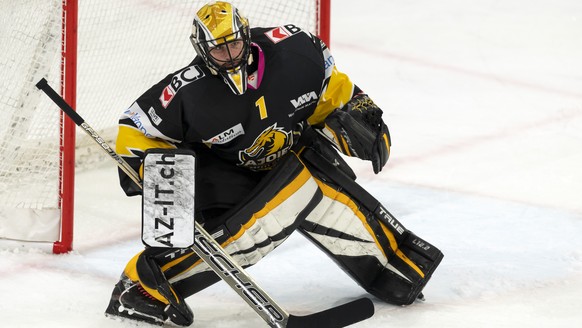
(359, 131)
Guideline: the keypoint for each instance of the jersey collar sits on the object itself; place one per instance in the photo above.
(254, 79)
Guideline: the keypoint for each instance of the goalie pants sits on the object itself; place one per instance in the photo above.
(322, 201)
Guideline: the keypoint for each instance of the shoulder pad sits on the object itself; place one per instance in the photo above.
(180, 79)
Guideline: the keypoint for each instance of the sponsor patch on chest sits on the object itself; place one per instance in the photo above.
(226, 136)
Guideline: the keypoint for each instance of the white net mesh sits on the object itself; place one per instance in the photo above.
(124, 47)
(29, 125)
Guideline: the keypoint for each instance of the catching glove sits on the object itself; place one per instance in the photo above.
(357, 130)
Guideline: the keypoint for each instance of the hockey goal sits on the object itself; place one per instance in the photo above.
(102, 54)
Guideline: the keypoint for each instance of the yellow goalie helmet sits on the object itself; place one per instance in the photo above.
(221, 37)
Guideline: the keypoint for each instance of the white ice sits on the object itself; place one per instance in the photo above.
(484, 104)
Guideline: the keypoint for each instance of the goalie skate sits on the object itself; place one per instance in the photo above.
(130, 300)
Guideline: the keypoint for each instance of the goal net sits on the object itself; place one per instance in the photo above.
(123, 48)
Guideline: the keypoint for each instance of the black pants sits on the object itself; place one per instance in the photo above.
(220, 186)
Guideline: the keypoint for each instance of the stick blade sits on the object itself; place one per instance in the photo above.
(335, 317)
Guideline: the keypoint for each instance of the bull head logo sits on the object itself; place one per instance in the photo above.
(271, 144)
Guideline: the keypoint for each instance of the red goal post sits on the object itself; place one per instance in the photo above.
(103, 54)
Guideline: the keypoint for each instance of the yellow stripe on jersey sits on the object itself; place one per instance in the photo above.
(339, 91)
(346, 200)
(130, 138)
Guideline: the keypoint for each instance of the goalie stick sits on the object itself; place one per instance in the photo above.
(224, 265)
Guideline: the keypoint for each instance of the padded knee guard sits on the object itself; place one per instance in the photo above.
(354, 229)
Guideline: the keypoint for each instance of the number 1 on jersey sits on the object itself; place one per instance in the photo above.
(262, 107)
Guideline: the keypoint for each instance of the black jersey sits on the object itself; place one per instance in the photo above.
(294, 82)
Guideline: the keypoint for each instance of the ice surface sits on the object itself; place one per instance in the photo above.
(484, 104)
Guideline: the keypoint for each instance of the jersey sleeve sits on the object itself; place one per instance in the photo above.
(337, 89)
(144, 125)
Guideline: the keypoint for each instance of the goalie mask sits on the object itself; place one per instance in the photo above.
(221, 36)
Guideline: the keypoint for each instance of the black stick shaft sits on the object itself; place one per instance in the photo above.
(79, 121)
(57, 99)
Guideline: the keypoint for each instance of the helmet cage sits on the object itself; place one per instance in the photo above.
(205, 49)
(233, 68)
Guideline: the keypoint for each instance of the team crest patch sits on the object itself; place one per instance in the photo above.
(273, 143)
